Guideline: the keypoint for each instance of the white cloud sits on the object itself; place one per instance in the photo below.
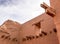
(21, 10)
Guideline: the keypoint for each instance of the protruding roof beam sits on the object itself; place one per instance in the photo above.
(50, 11)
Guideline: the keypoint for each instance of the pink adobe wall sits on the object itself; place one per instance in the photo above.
(47, 25)
(13, 29)
(56, 5)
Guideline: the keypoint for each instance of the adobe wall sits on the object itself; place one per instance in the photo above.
(30, 34)
(56, 5)
(7, 38)
(12, 35)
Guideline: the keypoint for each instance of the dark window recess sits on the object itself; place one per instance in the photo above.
(37, 36)
(40, 35)
(6, 37)
(38, 24)
(44, 32)
(2, 36)
(55, 30)
(28, 37)
(24, 39)
(14, 39)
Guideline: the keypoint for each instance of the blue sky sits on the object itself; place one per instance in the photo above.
(20, 10)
